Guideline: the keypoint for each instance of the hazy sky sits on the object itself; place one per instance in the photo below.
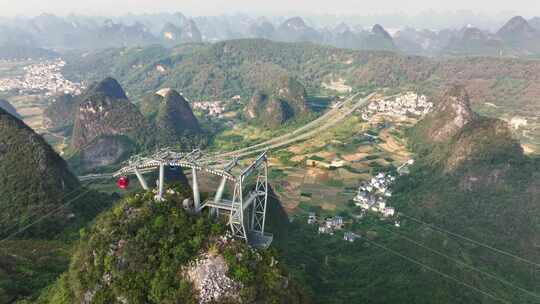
(527, 8)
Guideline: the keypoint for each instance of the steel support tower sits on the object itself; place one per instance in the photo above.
(245, 210)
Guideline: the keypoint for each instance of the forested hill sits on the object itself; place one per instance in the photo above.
(34, 180)
(147, 251)
(486, 191)
(241, 66)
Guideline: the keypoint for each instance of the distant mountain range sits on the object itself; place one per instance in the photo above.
(518, 37)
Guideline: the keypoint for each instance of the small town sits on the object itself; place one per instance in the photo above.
(403, 105)
(41, 78)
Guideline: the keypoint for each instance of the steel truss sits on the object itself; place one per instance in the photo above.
(246, 211)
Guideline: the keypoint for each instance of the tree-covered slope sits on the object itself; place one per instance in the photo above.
(33, 178)
(274, 107)
(60, 112)
(147, 251)
(42, 205)
(172, 117)
(476, 182)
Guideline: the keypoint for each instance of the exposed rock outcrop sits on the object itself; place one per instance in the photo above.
(452, 112)
(208, 273)
(455, 136)
(158, 252)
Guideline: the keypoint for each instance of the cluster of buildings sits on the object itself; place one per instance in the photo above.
(44, 77)
(212, 108)
(372, 195)
(330, 224)
(406, 104)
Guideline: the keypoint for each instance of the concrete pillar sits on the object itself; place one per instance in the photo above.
(219, 195)
(195, 188)
(141, 179)
(161, 180)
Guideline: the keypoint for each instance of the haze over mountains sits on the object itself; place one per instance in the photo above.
(34, 37)
(463, 117)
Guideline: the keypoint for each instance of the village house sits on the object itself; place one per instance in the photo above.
(331, 224)
(312, 218)
(350, 236)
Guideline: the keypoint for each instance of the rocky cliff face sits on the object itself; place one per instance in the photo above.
(471, 177)
(175, 114)
(33, 178)
(452, 112)
(105, 112)
(458, 137)
(269, 110)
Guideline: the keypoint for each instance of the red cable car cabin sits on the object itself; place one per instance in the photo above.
(123, 182)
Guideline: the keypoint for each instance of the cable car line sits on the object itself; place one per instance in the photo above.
(449, 277)
(46, 215)
(441, 230)
(508, 283)
(63, 198)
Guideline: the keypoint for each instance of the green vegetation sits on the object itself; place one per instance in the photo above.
(34, 180)
(137, 251)
(243, 67)
(43, 206)
(29, 265)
